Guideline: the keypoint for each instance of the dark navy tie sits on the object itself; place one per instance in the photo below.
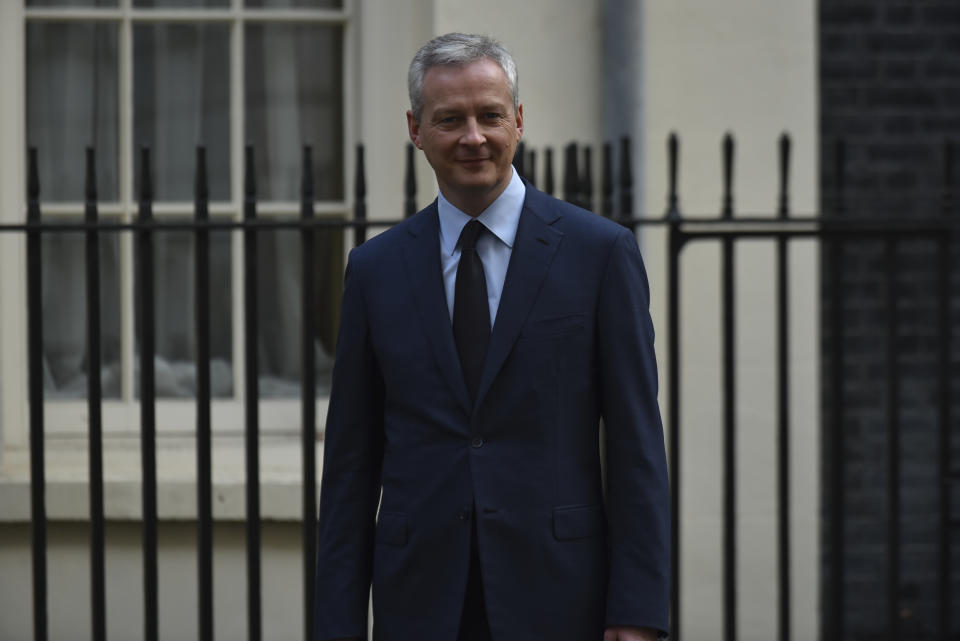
(471, 312)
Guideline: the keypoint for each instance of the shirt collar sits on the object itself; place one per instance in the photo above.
(501, 218)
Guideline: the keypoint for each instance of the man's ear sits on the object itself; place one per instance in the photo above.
(519, 121)
(413, 128)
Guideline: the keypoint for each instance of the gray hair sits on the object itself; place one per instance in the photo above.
(457, 49)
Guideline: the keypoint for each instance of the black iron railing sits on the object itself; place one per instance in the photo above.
(836, 232)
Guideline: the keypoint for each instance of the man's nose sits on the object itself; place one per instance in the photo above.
(472, 134)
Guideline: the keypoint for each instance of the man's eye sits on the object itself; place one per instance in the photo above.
(492, 115)
(449, 120)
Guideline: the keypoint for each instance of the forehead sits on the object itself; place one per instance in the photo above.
(480, 80)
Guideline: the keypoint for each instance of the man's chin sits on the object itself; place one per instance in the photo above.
(479, 190)
(476, 184)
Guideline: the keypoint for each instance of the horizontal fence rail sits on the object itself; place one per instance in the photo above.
(614, 199)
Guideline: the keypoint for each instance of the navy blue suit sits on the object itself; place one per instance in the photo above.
(572, 342)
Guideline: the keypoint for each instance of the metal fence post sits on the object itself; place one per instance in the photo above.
(148, 427)
(675, 245)
(783, 397)
(38, 505)
(201, 303)
(252, 398)
(410, 183)
(360, 200)
(94, 396)
(308, 234)
(728, 356)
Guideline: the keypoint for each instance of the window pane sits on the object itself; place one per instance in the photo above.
(72, 104)
(181, 93)
(279, 309)
(294, 92)
(65, 356)
(312, 4)
(72, 3)
(186, 4)
(176, 337)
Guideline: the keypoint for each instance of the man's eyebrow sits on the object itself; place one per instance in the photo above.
(499, 109)
(444, 111)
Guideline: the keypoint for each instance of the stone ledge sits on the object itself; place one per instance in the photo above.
(67, 494)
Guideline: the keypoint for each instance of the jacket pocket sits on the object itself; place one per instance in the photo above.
(554, 327)
(392, 528)
(578, 522)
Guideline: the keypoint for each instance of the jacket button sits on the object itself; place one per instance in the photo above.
(476, 442)
(464, 515)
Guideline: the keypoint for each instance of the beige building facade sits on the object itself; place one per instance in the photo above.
(699, 68)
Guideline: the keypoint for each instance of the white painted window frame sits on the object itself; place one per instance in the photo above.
(66, 420)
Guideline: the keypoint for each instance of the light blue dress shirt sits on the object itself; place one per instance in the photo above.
(501, 219)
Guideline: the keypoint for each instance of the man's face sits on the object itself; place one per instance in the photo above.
(468, 130)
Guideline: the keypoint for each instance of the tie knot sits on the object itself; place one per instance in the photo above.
(470, 233)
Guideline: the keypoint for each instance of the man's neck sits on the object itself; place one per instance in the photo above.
(474, 204)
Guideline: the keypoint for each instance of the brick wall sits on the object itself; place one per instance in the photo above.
(890, 86)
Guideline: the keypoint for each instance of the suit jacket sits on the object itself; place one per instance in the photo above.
(562, 557)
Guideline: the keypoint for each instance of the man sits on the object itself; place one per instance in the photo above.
(481, 342)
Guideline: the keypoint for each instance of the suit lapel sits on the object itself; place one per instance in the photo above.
(421, 255)
(533, 251)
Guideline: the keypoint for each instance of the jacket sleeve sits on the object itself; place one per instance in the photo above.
(350, 483)
(638, 503)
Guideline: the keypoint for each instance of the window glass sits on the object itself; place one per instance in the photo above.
(65, 354)
(71, 3)
(180, 4)
(312, 4)
(279, 309)
(293, 97)
(72, 104)
(181, 99)
(174, 315)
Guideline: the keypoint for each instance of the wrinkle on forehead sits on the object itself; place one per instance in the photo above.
(480, 84)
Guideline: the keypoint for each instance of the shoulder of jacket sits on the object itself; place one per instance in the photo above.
(571, 218)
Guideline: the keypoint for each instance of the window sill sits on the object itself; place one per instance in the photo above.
(67, 480)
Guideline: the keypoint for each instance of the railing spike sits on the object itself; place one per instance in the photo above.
(586, 179)
(33, 175)
(626, 180)
(360, 199)
(306, 177)
(531, 164)
(360, 179)
(146, 175)
(673, 176)
(90, 180)
(249, 173)
(606, 181)
(571, 177)
(201, 186)
(728, 155)
(548, 182)
(519, 158)
(410, 183)
(784, 204)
